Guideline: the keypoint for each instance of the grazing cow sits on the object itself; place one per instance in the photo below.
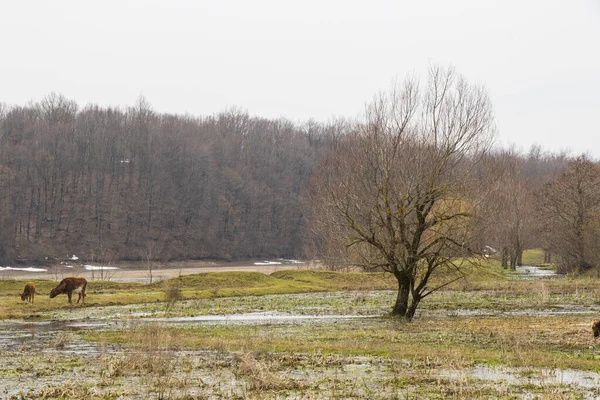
(596, 328)
(70, 285)
(28, 292)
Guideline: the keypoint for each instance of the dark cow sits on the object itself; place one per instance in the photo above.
(70, 285)
(28, 292)
(596, 328)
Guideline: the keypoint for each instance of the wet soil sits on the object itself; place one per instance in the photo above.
(50, 359)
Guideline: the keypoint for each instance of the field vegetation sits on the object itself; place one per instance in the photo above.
(493, 335)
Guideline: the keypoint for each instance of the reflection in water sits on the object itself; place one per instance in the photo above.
(16, 333)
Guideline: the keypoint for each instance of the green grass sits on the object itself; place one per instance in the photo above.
(198, 286)
(293, 281)
(541, 342)
(533, 257)
(228, 284)
(14, 287)
(489, 318)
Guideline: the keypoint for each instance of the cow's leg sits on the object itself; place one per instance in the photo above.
(69, 296)
(79, 298)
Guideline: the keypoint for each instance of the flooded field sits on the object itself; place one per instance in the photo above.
(39, 360)
(519, 339)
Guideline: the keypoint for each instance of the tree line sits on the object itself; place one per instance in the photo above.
(109, 183)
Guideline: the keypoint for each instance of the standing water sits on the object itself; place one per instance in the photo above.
(531, 272)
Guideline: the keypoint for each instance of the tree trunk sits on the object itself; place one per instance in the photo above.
(410, 313)
(504, 258)
(401, 306)
(513, 260)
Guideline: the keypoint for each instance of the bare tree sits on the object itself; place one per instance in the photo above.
(149, 259)
(571, 208)
(401, 190)
(82, 180)
(509, 207)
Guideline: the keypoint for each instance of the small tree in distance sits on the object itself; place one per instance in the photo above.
(399, 193)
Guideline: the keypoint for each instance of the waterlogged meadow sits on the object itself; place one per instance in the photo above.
(303, 334)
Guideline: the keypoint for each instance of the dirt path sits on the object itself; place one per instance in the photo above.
(136, 272)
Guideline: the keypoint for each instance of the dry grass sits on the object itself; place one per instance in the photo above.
(173, 294)
(148, 354)
(61, 340)
(265, 374)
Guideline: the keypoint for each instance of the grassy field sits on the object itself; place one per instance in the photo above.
(492, 335)
(533, 257)
(200, 286)
(216, 285)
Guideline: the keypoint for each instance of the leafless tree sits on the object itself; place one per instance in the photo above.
(83, 180)
(510, 206)
(401, 192)
(149, 258)
(571, 208)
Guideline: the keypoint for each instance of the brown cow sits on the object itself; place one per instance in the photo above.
(28, 292)
(596, 328)
(70, 285)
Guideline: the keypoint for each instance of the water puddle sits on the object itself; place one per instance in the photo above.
(98, 268)
(542, 311)
(16, 333)
(531, 272)
(524, 376)
(26, 269)
(259, 317)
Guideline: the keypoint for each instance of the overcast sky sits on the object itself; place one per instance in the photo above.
(540, 60)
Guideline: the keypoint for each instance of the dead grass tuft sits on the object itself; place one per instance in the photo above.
(266, 374)
(61, 340)
(172, 293)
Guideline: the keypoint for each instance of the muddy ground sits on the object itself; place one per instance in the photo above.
(463, 344)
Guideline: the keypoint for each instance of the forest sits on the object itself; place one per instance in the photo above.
(132, 183)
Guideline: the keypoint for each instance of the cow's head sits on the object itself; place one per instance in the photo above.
(596, 328)
(23, 296)
(54, 292)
